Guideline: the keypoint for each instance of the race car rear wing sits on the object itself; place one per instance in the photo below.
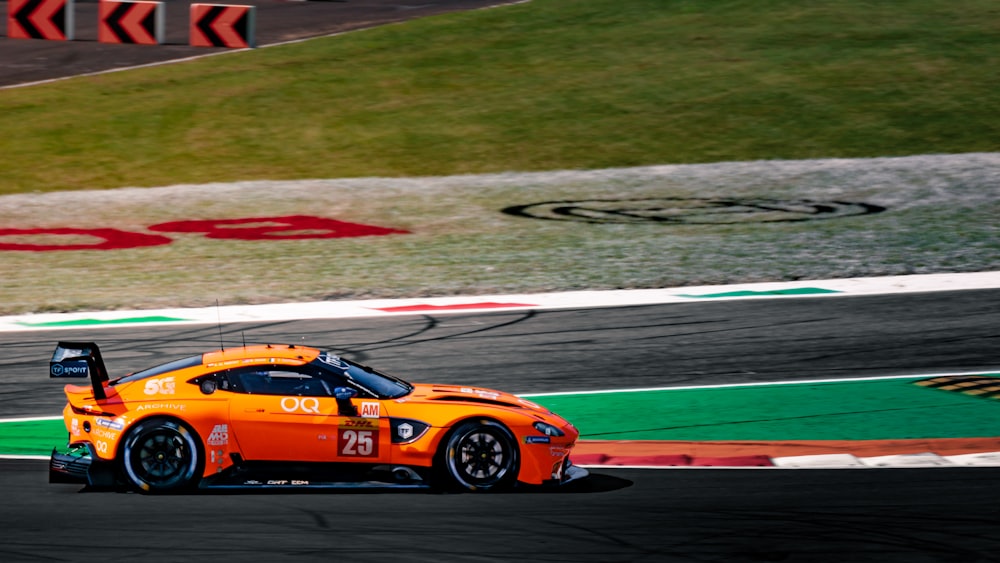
(80, 359)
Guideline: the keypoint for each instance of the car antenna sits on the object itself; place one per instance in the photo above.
(244, 335)
(218, 314)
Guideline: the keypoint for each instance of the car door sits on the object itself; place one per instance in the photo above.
(289, 413)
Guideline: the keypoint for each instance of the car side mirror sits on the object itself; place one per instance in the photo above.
(344, 405)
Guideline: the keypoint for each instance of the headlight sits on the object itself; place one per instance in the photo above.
(548, 429)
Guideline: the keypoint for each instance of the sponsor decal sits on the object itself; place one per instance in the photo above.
(481, 392)
(370, 409)
(74, 427)
(252, 482)
(307, 405)
(161, 406)
(529, 404)
(219, 435)
(537, 440)
(161, 386)
(69, 369)
(101, 446)
(364, 423)
(406, 431)
(333, 360)
(106, 434)
(116, 424)
(690, 211)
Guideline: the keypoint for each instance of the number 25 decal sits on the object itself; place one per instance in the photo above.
(358, 443)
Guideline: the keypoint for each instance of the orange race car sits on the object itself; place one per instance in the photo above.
(269, 416)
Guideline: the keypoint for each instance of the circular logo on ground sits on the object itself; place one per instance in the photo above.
(690, 211)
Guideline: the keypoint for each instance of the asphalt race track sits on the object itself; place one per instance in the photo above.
(912, 515)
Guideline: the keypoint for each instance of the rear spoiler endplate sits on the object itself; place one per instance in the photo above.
(80, 359)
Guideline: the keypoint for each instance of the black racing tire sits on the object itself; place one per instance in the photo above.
(161, 455)
(480, 456)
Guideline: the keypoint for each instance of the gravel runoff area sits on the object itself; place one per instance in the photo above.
(654, 226)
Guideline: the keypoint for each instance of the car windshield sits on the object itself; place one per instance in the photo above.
(382, 385)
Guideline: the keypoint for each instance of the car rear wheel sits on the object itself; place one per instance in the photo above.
(160, 455)
(481, 456)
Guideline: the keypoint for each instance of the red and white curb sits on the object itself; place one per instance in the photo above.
(485, 303)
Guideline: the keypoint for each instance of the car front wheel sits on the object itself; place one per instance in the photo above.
(160, 455)
(481, 456)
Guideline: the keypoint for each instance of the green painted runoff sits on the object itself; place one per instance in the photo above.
(852, 410)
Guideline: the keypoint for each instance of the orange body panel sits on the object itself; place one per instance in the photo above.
(305, 423)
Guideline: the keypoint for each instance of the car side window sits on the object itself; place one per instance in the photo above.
(278, 380)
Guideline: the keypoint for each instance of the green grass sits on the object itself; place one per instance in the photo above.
(551, 84)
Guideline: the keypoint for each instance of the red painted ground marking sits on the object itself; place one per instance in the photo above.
(110, 239)
(459, 307)
(290, 227)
